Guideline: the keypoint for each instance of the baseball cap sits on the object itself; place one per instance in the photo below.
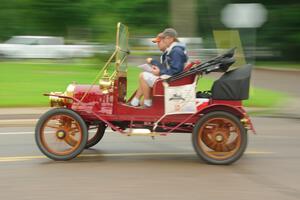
(167, 32)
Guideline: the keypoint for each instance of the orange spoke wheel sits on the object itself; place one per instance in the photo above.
(61, 134)
(96, 133)
(219, 138)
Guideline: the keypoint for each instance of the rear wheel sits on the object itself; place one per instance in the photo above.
(61, 134)
(96, 133)
(219, 138)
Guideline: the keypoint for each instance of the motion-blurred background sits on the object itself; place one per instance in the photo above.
(90, 21)
(50, 43)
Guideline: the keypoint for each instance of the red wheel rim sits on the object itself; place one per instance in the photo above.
(219, 138)
(61, 134)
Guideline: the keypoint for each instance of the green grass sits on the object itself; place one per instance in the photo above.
(23, 83)
(264, 98)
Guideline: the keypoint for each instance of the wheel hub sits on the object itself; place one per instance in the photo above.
(60, 134)
(219, 138)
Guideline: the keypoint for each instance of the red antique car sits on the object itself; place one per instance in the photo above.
(215, 118)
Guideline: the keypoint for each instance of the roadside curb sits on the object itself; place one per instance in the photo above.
(24, 111)
(25, 116)
(279, 69)
(18, 122)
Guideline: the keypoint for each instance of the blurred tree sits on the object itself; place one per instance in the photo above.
(64, 17)
(15, 18)
(281, 32)
(184, 17)
(150, 14)
(97, 19)
(56, 16)
(142, 16)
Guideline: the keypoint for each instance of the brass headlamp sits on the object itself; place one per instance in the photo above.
(60, 102)
(56, 101)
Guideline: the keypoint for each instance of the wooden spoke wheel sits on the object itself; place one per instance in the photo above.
(219, 138)
(96, 133)
(61, 134)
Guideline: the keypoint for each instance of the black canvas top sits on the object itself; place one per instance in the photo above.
(233, 85)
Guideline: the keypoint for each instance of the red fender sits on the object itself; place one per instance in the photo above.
(235, 110)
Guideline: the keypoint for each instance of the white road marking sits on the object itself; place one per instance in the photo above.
(18, 121)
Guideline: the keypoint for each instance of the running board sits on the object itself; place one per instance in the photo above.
(143, 132)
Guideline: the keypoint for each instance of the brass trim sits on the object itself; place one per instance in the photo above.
(117, 61)
(56, 101)
(99, 74)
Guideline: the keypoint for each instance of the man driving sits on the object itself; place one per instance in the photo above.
(172, 61)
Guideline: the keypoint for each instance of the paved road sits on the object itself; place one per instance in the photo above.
(132, 168)
(284, 81)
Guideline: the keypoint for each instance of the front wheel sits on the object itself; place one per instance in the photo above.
(61, 134)
(96, 135)
(219, 138)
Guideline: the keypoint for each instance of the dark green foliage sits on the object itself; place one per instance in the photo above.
(281, 32)
(95, 20)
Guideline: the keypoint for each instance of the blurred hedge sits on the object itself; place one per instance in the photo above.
(95, 20)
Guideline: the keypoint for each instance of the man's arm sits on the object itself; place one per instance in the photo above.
(157, 63)
(178, 59)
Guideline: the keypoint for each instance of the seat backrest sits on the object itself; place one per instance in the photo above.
(191, 64)
(158, 87)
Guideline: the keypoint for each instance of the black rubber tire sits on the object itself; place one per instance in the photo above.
(97, 137)
(199, 150)
(44, 119)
